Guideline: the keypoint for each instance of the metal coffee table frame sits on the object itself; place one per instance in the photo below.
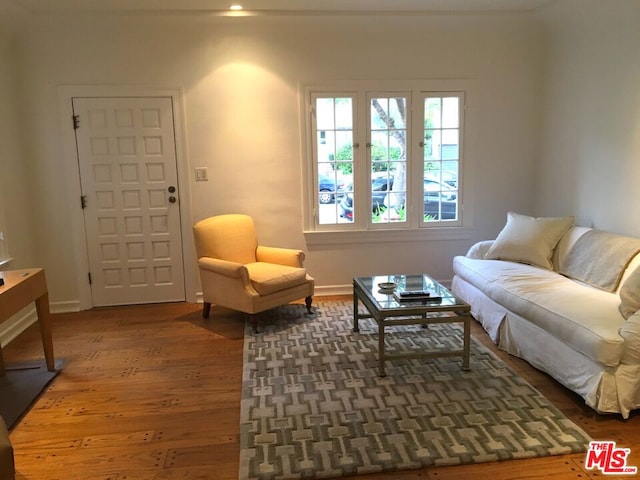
(387, 311)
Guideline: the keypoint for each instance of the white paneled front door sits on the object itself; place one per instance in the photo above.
(129, 181)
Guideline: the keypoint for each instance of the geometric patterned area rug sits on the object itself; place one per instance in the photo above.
(313, 405)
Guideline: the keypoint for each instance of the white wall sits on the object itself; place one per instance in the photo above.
(590, 157)
(16, 216)
(240, 77)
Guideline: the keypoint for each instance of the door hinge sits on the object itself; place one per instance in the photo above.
(76, 121)
(83, 201)
(89, 276)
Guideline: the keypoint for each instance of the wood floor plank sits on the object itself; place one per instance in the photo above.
(153, 392)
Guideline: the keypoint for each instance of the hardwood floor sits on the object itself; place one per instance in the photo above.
(153, 392)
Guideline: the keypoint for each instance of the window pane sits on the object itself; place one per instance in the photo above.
(432, 143)
(450, 112)
(379, 111)
(334, 158)
(326, 146)
(388, 159)
(441, 155)
(432, 113)
(397, 112)
(379, 146)
(325, 114)
(344, 145)
(450, 173)
(344, 109)
(450, 144)
(440, 199)
(381, 183)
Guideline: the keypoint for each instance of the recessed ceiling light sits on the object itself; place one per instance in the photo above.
(235, 7)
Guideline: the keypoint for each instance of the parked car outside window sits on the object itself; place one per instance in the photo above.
(326, 189)
(439, 197)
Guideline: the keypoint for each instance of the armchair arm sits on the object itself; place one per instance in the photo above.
(282, 256)
(224, 268)
(225, 283)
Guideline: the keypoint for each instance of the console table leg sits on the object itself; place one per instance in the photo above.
(44, 319)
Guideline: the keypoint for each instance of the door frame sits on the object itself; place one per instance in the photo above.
(65, 95)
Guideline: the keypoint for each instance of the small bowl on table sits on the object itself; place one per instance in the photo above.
(387, 287)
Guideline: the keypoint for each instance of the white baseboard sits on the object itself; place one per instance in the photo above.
(328, 290)
(18, 323)
(324, 291)
(65, 307)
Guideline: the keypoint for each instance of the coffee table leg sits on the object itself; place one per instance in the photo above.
(467, 342)
(356, 324)
(381, 358)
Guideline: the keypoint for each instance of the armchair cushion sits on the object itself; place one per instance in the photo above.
(267, 278)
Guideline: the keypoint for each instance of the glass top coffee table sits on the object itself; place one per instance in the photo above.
(410, 300)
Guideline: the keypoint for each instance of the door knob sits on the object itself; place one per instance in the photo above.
(171, 189)
(172, 199)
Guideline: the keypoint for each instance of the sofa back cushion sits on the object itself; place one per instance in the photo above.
(529, 240)
(566, 243)
(599, 259)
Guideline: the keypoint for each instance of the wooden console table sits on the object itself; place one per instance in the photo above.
(21, 287)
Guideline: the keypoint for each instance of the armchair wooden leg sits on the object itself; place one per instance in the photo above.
(253, 318)
(307, 302)
(206, 309)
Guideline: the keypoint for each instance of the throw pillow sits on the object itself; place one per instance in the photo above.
(630, 294)
(529, 240)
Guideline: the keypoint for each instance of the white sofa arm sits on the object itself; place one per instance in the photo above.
(630, 331)
(480, 249)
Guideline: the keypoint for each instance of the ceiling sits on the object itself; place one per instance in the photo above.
(282, 6)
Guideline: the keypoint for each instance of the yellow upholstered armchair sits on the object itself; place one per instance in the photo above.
(239, 274)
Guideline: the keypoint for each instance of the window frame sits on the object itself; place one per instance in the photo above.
(361, 92)
(365, 200)
(461, 129)
(312, 149)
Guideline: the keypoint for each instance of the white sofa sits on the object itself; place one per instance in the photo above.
(564, 298)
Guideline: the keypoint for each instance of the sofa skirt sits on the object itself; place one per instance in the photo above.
(605, 389)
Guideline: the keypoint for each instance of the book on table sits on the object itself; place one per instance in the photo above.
(416, 295)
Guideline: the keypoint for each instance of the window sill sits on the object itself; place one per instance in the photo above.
(352, 237)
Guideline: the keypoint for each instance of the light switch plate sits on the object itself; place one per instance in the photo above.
(202, 174)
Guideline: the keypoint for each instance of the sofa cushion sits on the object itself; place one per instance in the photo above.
(529, 240)
(630, 294)
(269, 278)
(585, 318)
